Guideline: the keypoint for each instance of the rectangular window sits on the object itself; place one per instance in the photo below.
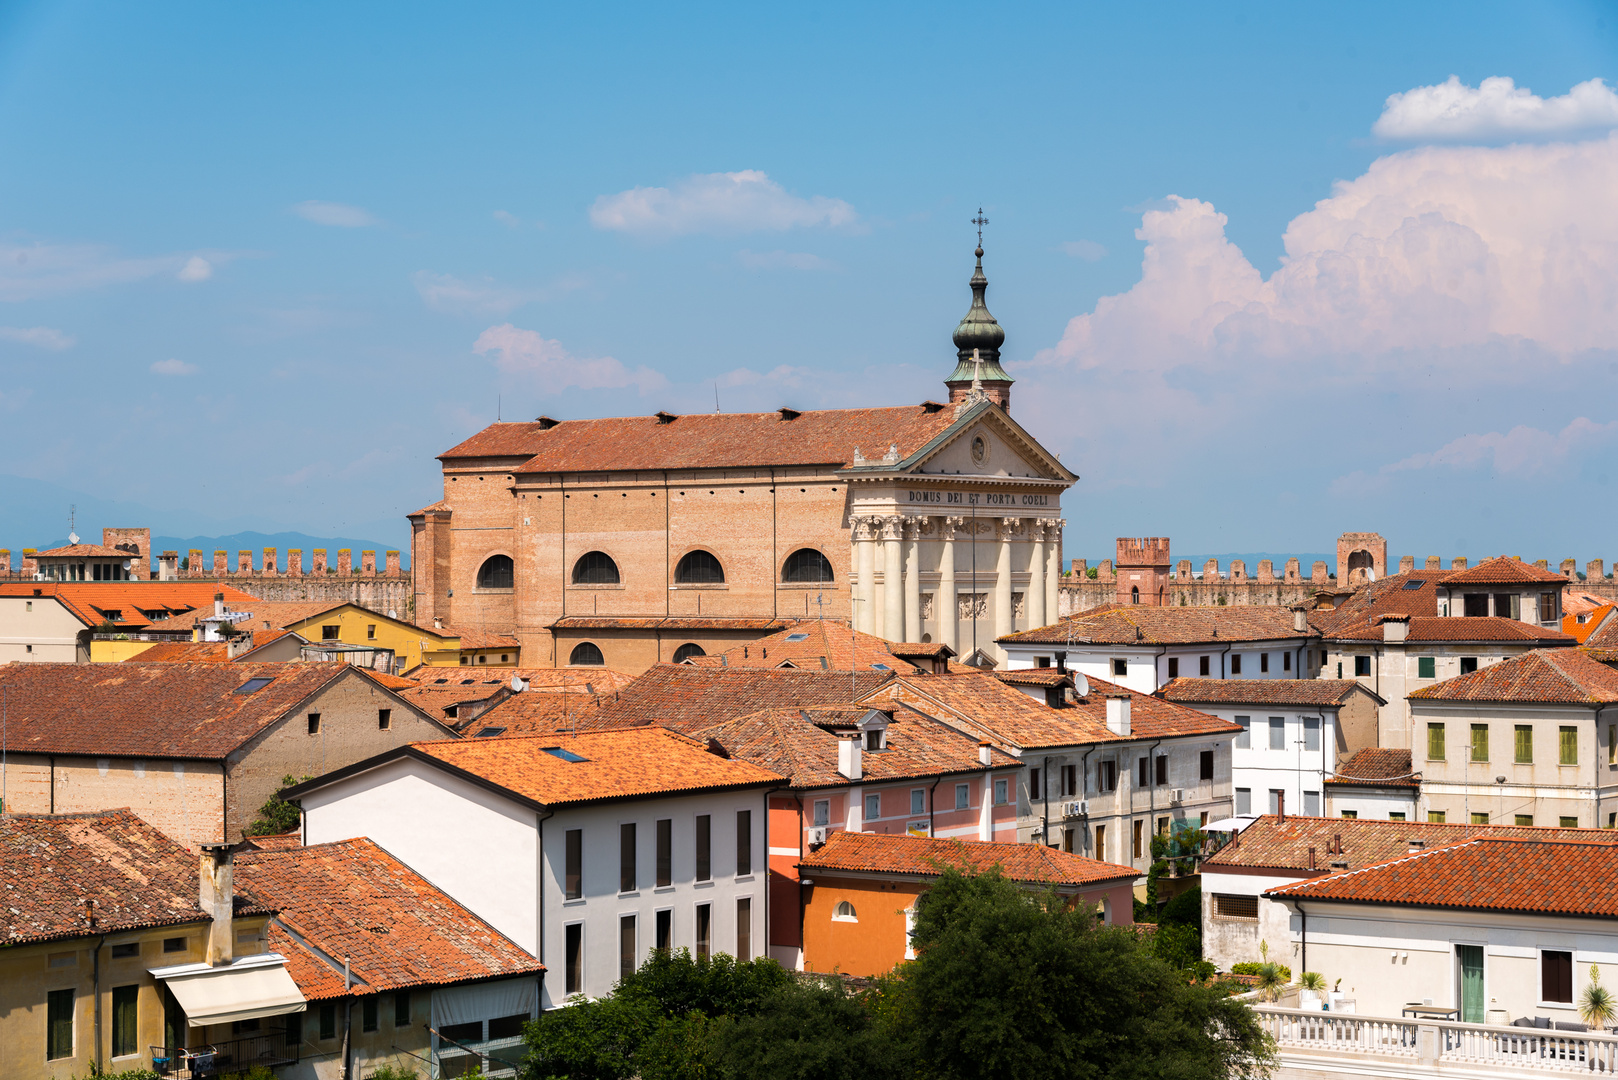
(1236, 907)
(1070, 780)
(1362, 665)
(744, 928)
(822, 812)
(1107, 773)
(401, 1008)
(1244, 737)
(1480, 742)
(1286, 661)
(1141, 766)
(1547, 607)
(384, 719)
(1311, 733)
(1567, 741)
(1556, 976)
(1483, 819)
(1162, 826)
(744, 842)
(126, 950)
(665, 930)
(1263, 662)
(1120, 668)
(1396, 815)
(1101, 842)
(1435, 741)
(1435, 817)
(1236, 663)
(1475, 604)
(918, 796)
(505, 1027)
(1202, 666)
(704, 847)
(1000, 792)
(1067, 841)
(963, 796)
(873, 807)
(1523, 740)
(314, 723)
(665, 852)
(330, 633)
(1205, 762)
(1139, 834)
(1311, 804)
(370, 631)
(174, 944)
(1162, 769)
(1339, 669)
(125, 1022)
(368, 1021)
(1033, 790)
(1353, 814)
(626, 857)
(328, 1021)
(1522, 821)
(1244, 801)
(574, 956)
(626, 946)
(1612, 744)
(704, 930)
(1426, 667)
(1174, 667)
(1042, 661)
(1568, 822)
(1469, 664)
(1278, 733)
(573, 882)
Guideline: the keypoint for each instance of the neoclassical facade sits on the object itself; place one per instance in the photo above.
(636, 540)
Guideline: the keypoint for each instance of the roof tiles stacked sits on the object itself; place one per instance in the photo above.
(920, 856)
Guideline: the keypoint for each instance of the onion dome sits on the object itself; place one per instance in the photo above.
(978, 330)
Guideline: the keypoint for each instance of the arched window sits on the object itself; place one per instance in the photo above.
(1134, 594)
(587, 653)
(844, 912)
(495, 573)
(699, 568)
(687, 651)
(595, 568)
(806, 565)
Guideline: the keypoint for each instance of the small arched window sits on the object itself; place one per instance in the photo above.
(806, 565)
(699, 568)
(595, 568)
(687, 651)
(844, 912)
(495, 573)
(587, 653)
(1134, 594)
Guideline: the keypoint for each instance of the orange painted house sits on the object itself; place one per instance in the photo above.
(860, 891)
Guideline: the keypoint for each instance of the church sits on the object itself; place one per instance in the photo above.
(635, 540)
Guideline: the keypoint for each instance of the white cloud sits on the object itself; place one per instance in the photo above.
(1496, 109)
(548, 363)
(1088, 250)
(509, 220)
(484, 296)
(338, 215)
(1520, 452)
(42, 336)
(35, 271)
(173, 367)
(746, 201)
(783, 260)
(196, 268)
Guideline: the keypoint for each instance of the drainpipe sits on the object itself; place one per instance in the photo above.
(348, 1019)
(1151, 786)
(1595, 768)
(1222, 661)
(539, 884)
(95, 964)
(1045, 796)
(1084, 788)
(1303, 958)
(932, 830)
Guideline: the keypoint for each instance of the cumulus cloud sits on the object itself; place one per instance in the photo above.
(783, 260)
(1088, 250)
(1496, 109)
(529, 355)
(173, 367)
(746, 201)
(40, 336)
(196, 268)
(337, 215)
(1521, 452)
(37, 271)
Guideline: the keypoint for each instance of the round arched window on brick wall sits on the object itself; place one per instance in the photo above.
(595, 568)
(588, 654)
(687, 651)
(806, 565)
(699, 568)
(495, 573)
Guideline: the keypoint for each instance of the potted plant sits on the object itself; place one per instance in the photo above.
(1270, 981)
(1597, 1006)
(1311, 985)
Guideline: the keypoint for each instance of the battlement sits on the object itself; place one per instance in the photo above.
(1146, 551)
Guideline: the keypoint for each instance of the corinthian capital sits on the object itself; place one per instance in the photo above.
(864, 528)
(893, 527)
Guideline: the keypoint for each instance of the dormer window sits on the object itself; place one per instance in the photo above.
(876, 739)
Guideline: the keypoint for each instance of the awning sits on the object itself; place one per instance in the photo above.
(1229, 824)
(246, 989)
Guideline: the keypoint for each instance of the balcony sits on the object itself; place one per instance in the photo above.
(1310, 1043)
(270, 1049)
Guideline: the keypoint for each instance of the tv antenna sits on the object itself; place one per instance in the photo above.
(72, 521)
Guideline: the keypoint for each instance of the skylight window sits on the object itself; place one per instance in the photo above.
(882, 667)
(797, 637)
(253, 686)
(565, 755)
(490, 731)
(1410, 585)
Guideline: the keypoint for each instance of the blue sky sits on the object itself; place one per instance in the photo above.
(258, 264)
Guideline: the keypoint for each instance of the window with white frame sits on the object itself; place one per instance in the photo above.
(918, 800)
(822, 812)
(963, 796)
(873, 806)
(1000, 792)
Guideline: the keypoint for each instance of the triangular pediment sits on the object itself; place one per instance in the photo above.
(986, 442)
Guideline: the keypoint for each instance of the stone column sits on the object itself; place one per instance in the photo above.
(1002, 583)
(1053, 569)
(865, 581)
(944, 599)
(912, 572)
(893, 611)
(1035, 596)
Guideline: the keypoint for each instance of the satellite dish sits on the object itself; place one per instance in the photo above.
(1081, 685)
(72, 538)
(517, 685)
(1370, 574)
(128, 563)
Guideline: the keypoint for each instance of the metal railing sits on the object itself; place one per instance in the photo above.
(268, 1048)
(1431, 1042)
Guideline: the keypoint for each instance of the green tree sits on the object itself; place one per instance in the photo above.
(1009, 984)
(811, 1031)
(276, 816)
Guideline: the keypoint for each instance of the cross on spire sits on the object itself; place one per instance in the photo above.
(980, 221)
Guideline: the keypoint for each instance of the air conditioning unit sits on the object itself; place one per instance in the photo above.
(1177, 795)
(817, 835)
(1076, 809)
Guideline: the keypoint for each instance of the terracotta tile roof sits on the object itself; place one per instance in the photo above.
(930, 649)
(189, 652)
(679, 694)
(278, 842)
(1578, 602)
(84, 551)
(1034, 676)
(821, 645)
(1376, 766)
(266, 614)
(1457, 628)
(479, 639)
(1549, 675)
(141, 604)
(984, 706)
(709, 440)
(131, 875)
(261, 638)
(1139, 625)
(921, 856)
(1605, 635)
(1387, 596)
(1269, 843)
(1263, 691)
(1503, 571)
(1486, 873)
(1594, 617)
(535, 713)
(617, 765)
(191, 711)
(801, 744)
(352, 900)
(432, 508)
(674, 622)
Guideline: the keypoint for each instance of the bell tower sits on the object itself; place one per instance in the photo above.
(978, 331)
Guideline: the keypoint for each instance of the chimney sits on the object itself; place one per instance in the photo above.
(1118, 714)
(215, 895)
(1061, 661)
(1311, 858)
(984, 755)
(1300, 620)
(1280, 806)
(1395, 629)
(849, 756)
(218, 604)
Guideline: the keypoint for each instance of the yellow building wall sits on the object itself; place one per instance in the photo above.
(357, 626)
(115, 652)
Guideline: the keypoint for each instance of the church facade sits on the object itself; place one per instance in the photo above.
(636, 540)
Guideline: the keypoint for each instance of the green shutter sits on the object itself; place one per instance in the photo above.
(1525, 744)
(1569, 739)
(58, 1024)
(1426, 667)
(1480, 742)
(1435, 742)
(1471, 961)
(125, 1020)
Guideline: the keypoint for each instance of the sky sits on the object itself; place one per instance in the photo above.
(1267, 275)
